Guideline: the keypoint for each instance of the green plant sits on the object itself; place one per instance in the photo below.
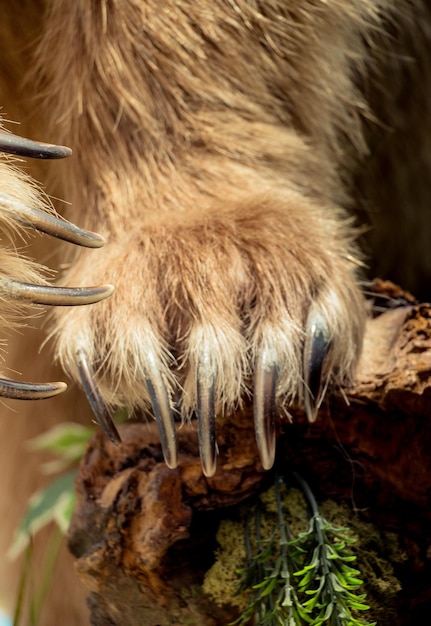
(267, 574)
(304, 580)
(54, 503)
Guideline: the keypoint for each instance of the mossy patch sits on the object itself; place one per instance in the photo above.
(221, 581)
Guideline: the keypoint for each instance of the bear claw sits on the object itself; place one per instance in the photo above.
(164, 416)
(98, 406)
(14, 144)
(265, 384)
(51, 225)
(316, 349)
(15, 390)
(206, 416)
(53, 296)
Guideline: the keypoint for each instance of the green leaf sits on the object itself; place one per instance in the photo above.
(269, 588)
(68, 441)
(353, 582)
(312, 592)
(309, 576)
(311, 603)
(314, 562)
(328, 612)
(303, 614)
(351, 571)
(358, 605)
(53, 504)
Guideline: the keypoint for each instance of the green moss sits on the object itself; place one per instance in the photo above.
(221, 581)
(294, 507)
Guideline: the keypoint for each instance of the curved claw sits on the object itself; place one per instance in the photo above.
(53, 296)
(206, 415)
(14, 144)
(316, 348)
(98, 406)
(265, 384)
(29, 391)
(162, 412)
(52, 225)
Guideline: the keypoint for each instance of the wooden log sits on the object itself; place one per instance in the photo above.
(144, 535)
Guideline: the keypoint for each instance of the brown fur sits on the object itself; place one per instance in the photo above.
(216, 145)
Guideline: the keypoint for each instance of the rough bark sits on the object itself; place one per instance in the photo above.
(144, 535)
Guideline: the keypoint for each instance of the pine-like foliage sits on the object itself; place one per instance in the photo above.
(308, 579)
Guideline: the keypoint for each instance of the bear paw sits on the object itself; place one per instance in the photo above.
(215, 305)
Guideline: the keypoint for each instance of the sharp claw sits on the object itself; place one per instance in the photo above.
(29, 391)
(265, 383)
(163, 413)
(98, 406)
(13, 144)
(315, 350)
(53, 296)
(206, 415)
(51, 225)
